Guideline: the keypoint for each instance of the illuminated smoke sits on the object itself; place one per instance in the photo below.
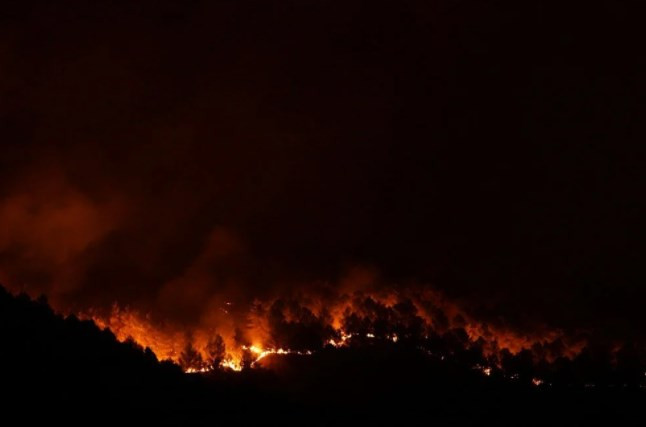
(307, 323)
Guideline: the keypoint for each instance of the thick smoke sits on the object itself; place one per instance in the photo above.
(184, 160)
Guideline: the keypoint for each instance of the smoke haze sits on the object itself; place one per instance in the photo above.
(175, 156)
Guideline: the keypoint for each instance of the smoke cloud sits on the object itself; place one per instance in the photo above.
(175, 158)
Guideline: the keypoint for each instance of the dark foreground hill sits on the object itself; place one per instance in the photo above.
(63, 370)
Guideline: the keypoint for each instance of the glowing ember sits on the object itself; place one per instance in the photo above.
(196, 371)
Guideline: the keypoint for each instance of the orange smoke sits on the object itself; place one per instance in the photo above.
(198, 315)
(307, 323)
(46, 228)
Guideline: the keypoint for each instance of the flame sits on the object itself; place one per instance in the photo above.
(261, 353)
(486, 370)
(268, 326)
(230, 364)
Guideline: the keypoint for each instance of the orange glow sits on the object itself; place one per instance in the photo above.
(258, 332)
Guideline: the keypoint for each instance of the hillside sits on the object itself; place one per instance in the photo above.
(65, 369)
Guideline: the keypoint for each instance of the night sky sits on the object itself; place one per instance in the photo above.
(156, 153)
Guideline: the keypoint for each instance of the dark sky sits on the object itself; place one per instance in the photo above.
(157, 149)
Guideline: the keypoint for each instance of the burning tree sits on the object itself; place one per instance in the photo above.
(190, 359)
(247, 358)
(217, 352)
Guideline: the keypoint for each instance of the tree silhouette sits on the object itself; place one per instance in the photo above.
(217, 352)
(247, 359)
(190, 358)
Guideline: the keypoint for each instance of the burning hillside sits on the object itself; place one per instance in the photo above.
(321, 203)
(72, 370)
(243, 336)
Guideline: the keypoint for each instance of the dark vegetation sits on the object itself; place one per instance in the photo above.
(66, 370)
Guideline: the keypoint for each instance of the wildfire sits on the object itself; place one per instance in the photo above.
(302, 326)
